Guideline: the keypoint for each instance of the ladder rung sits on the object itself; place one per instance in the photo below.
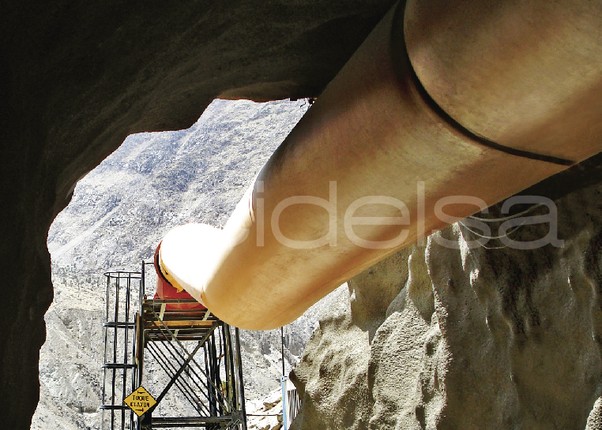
(119, 324)
(113, 407)
(118, 366)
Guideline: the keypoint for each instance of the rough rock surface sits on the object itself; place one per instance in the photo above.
(449, 337)
(78, 77)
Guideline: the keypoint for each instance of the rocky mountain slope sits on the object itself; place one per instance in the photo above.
(118, 214)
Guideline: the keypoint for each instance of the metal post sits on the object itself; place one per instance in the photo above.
(282, 349)
(241, 387)
(283, 382)
(106, 333)
(142, 290)
(284, 404)
(115, 340)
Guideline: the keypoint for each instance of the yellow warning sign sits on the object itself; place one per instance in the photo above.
(140, 401)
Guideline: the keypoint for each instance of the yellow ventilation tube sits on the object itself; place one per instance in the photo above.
(439, 113)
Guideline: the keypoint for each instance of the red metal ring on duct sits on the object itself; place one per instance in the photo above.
(167, 291)
(442, 101)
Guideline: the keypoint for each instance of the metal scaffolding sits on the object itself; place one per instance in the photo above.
(181, 356)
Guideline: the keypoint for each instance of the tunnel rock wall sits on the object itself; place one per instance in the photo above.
(437, 337)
